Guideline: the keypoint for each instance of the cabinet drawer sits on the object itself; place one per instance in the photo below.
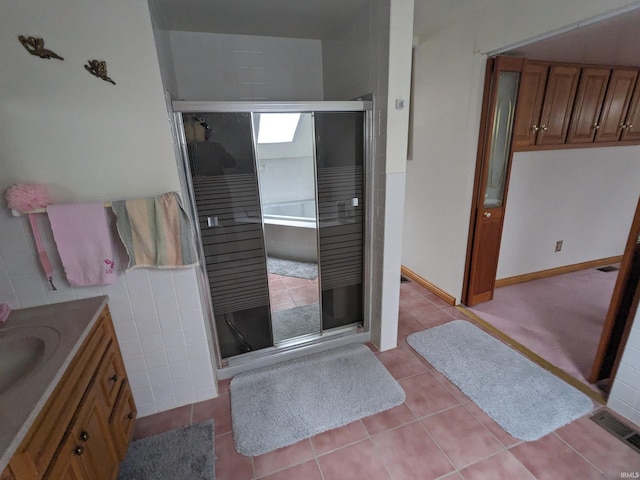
(123, 419)
(32, 458)
(110, 374)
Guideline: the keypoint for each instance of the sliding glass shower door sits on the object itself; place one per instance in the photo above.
(225, 188)
(340, 153)
(279, 198)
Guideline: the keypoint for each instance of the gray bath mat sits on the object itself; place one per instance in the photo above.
(184, 453)
(276, 406)
(295, 322)
(524, 399)
(292, 268)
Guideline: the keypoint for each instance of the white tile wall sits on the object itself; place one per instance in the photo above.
(625, 394)
(156, 313)
(246, 67)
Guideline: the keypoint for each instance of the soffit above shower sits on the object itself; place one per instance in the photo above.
(276, 18)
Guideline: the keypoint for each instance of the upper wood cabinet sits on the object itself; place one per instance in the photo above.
(631, 130)
(616, 105)
(570, 105)
(588, 105)
(558, 104)
(533, 81)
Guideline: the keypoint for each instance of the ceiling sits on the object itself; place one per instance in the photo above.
(614, 41)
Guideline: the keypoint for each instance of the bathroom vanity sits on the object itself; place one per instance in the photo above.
(66, 408)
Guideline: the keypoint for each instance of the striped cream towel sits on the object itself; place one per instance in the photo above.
(156, 232)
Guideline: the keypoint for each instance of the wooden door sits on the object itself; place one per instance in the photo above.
(616, 105)
(558, 103)
(588, 105)
(632, 125)
(533, 81)
(493, 168)
(624, 301)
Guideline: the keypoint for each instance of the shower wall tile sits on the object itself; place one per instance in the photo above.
(153, 311)
(243, 67)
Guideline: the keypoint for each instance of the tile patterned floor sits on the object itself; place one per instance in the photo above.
(438, 433)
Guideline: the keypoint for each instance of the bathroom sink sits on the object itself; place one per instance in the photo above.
(23, 350)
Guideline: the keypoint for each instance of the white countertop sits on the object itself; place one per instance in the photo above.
(21, 404)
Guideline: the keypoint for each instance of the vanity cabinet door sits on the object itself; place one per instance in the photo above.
(92, 438)
(123, 419)
(68, 463)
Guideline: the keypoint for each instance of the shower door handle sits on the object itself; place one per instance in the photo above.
(213, 222)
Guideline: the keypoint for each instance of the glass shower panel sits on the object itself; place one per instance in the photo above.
(501, 138)
(225, 185)
(340, 188)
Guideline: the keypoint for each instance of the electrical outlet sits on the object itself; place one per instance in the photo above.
(558, 245)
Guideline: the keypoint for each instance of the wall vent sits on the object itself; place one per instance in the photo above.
(608, 268)
(617, 428)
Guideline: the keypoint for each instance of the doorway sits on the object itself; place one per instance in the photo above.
(486, 225)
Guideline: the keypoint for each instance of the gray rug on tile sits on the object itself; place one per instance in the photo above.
(276, 406)
(295, 322)
(526, 400)
(292, 268)
(182, 453)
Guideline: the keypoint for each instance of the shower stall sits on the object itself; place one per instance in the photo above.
(278, 193)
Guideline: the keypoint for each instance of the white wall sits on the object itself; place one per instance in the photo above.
(212, 66)
(87, 139)
(447, 101)
(584, 197)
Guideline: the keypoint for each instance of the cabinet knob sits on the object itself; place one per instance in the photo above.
(623, 126)
(84, 436)
(543, 127)
(130, 416)
(114, 378)
(630, 126)
(535, 128)
(596, 126)
(78, 450)
(487, 214)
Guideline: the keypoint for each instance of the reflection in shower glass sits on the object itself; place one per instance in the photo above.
(340, 175)
(287, 191)
(225, 186)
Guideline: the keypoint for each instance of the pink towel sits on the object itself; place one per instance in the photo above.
(81, 232)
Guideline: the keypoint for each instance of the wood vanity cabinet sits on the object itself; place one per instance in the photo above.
(84, 429)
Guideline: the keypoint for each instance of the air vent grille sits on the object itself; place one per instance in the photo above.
(618, 429)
